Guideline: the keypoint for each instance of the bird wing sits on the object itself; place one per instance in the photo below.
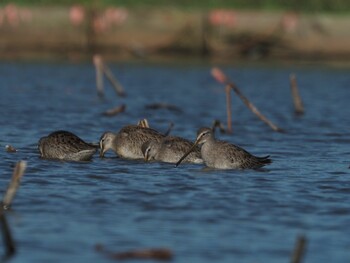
(244, 158)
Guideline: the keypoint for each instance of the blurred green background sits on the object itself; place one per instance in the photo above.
(309, 6)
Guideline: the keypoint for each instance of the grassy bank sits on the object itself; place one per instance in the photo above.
(309, 6)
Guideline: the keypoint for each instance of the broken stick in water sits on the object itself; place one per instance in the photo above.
(6, 234)
(298, 104)
(102, 68)
(115, 111)
(8, 197)
(221, 77)
(151, 253)
(13, 186)
(99, 74)
(299, 250)
(115, 83)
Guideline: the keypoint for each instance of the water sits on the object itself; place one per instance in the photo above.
(62, 210)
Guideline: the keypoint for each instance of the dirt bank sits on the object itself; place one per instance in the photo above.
(119, 33)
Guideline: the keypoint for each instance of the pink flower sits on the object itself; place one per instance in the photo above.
(76, 15)
(11, 12)
(223, 17)
(290, 22)
(1, 17)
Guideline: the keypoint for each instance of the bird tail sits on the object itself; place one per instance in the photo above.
(265, 160)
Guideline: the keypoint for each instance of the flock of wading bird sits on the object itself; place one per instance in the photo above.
(142, 142)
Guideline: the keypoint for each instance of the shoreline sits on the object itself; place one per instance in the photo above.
(77, 33)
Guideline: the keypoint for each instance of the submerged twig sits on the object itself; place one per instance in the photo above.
(115, 111)
(298, 104)
(151, 253)
(299, 250)
(13, 186)
(221, 77)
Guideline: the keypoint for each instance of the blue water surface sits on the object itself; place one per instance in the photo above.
(63, 209)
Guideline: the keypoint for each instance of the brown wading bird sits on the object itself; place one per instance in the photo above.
(223, 155)
(128, 141)
(64, 145)
(170, 149)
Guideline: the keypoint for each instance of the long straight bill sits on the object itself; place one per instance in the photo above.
(187, 153)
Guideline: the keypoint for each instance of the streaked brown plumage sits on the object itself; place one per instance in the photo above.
(64, 145)
(128, 141)
(170, 149)
(223, 155)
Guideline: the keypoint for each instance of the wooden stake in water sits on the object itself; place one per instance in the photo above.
(299, 250)
(102, 68)
(221, 77)
(14, 184)
(6, 234)
(99, 74)
(298, 104)
(8, 197)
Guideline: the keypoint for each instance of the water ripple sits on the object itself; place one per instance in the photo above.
(62, 209)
